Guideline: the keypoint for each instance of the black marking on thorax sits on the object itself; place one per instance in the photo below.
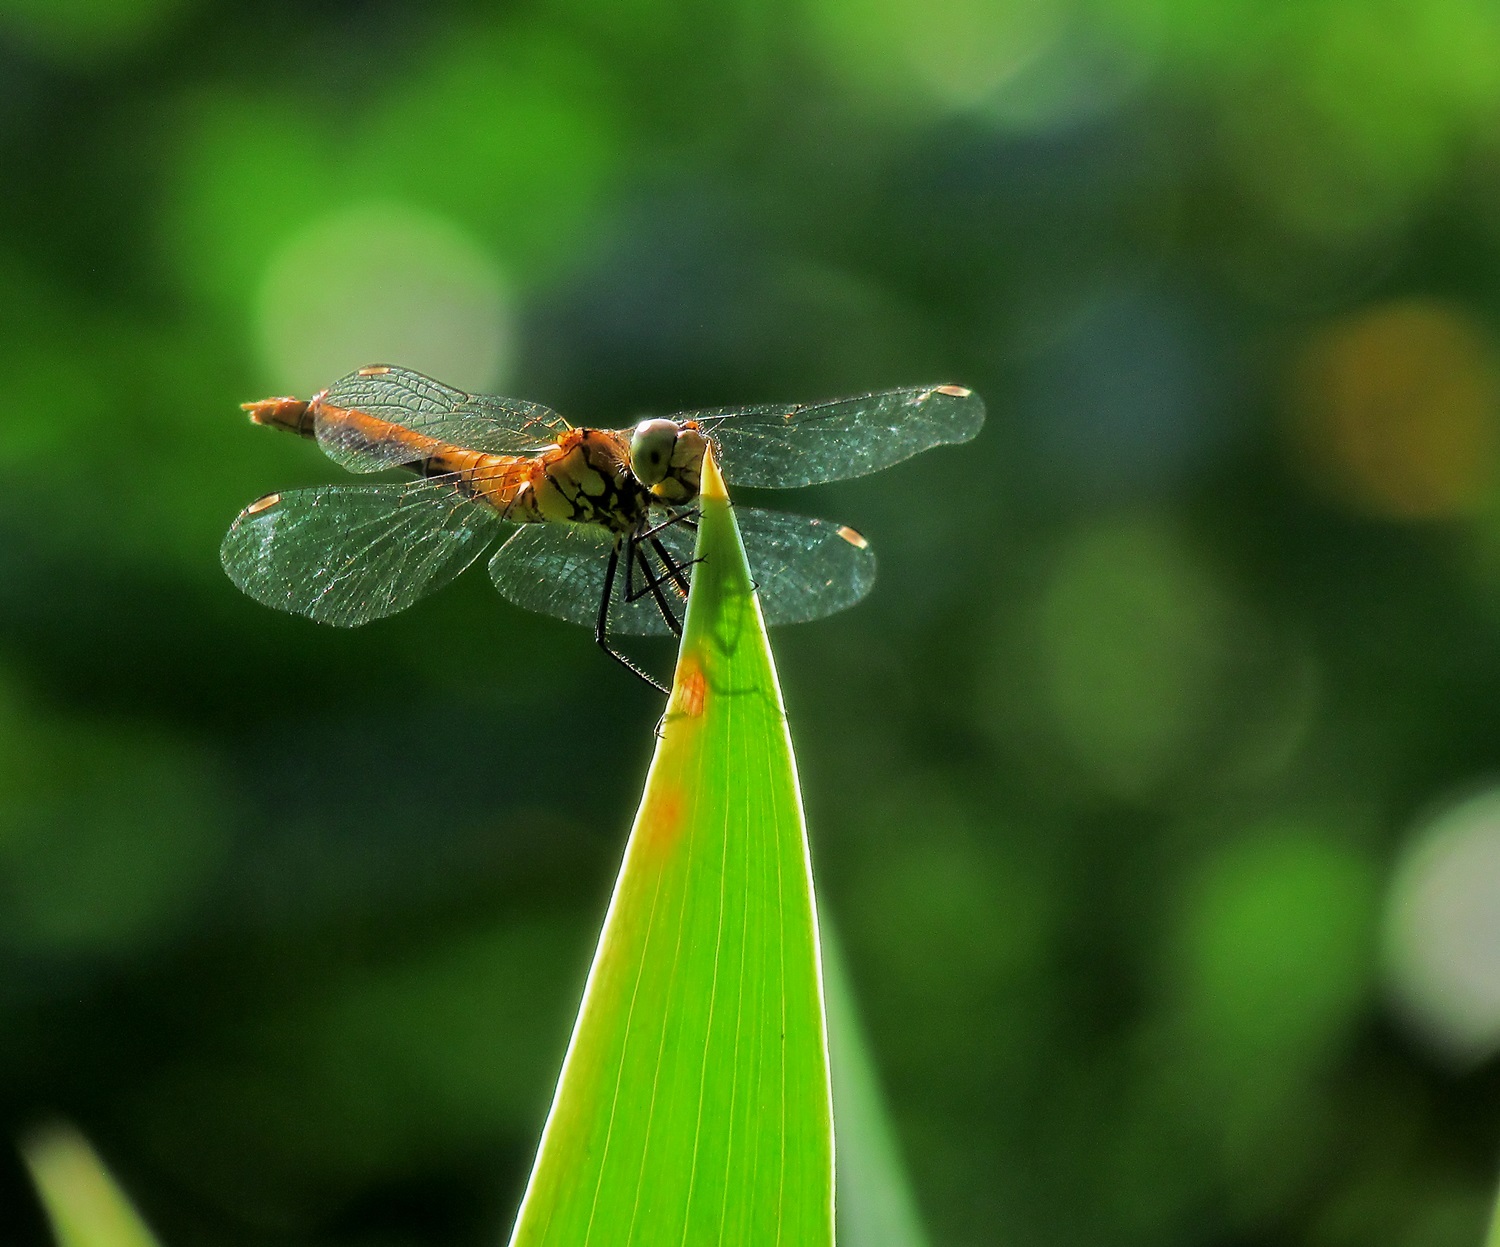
(598, 485)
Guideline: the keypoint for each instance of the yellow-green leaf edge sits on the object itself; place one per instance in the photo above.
(84, 1203)
(694, 1104)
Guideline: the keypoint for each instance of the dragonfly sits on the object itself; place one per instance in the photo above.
(597, 524)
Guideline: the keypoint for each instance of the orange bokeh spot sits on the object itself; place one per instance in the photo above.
(1396, 410)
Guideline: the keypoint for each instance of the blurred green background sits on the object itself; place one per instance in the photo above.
(1155, 793)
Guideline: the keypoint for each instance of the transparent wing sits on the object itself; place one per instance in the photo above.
(498, 426)
(347, 554)
(785, 447)
(804, 568)
(559, 569)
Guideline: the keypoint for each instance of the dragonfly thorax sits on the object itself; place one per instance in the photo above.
(587, 480)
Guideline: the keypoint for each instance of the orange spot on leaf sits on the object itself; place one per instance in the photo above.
(692, 687)
(661, 820)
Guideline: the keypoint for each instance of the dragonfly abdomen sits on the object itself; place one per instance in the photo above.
(292, 414)
(494, 478)
(497, 480)
(586, 478)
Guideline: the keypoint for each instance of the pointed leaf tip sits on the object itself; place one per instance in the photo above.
(693, 1105)
(712, 484)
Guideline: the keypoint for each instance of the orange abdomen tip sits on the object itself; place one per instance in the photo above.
(292, 414)
(275, 410)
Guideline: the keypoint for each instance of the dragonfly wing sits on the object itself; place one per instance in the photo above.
(788, 446)
(347, 554)
(804, 568)
(559, 570)
(498, 426)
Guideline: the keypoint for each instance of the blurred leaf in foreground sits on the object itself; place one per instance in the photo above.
(83, 1203)
(694, 1103)
(876, 1207)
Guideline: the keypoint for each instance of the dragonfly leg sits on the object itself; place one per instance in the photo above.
(633, 555)
(601, 626)
(688, 519)
(675, 571)
(632, 594)
(636, 557)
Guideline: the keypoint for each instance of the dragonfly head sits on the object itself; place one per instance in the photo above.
(667, 458)
(651, 447)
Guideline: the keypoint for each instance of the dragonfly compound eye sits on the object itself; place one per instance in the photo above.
(651, 447)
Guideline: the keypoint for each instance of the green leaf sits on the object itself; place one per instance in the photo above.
(694, 1103)
(85, 1206)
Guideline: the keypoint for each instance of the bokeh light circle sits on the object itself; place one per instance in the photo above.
(1125, 403)
(384, 283)
(1395, 410)
(1128, 642)
(1443, 930)
(1274, 957)
(959, 53)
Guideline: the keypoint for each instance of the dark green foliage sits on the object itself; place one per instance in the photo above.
(1108, 776)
